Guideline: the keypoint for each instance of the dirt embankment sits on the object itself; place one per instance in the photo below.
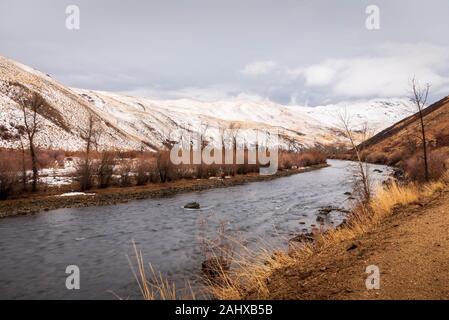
(44, 202)
(410, 248)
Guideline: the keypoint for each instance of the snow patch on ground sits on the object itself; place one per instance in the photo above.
(74, 194)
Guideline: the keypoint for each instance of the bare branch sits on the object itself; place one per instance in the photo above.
(363, 172)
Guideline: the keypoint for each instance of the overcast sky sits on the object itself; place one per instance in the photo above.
(291, 52)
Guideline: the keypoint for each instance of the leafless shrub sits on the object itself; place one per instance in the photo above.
(165, 168)
(9, 175)
(362, 185)
(442, 139)
(143, 171)
(285, 161)
(377, 157)
(288, 159)
(218, 250)
(85, 172)
(186, 171)
(395, 157)
(213, 170)
(105, 169)
(50, 158)
(125, 173)
(310, 158)
(436, 162)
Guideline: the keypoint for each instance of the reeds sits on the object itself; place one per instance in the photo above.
(155, 286)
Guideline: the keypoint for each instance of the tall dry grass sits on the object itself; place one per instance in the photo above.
(154, 285)
(250, 273)
(387, 198)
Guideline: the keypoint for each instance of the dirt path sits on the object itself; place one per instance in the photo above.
(411, 249)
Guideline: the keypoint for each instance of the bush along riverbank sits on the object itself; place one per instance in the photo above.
(95, 197)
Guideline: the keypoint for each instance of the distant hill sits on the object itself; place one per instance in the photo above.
(132, 123)
(401, 141)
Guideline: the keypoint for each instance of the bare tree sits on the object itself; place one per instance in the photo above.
(91, 134)
(31, 128)
(31, 104)
(363, 178)
(419, 99)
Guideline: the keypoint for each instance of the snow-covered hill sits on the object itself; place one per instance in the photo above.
(132, 122)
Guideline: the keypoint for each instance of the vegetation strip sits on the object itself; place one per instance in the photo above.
(35, 204)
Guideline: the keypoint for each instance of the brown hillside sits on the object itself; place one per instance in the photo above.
(402, 141)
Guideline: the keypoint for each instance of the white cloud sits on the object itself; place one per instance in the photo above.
(385, 74)
(320, 75)
(259, 68)
(210, 93)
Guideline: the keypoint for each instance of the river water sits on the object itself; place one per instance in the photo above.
(35, 250)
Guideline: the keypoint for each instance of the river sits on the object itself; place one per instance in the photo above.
(35, 250)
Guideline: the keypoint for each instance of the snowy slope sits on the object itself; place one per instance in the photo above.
(376, 113)
(134, 122)
(70, 112)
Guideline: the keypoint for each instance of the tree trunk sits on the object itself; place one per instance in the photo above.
(34, 167)
(424, 140)
(24, 169)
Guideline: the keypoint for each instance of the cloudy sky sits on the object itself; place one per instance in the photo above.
(291, 52)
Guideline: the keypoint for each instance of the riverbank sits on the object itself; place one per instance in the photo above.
(405, 236)
(97, 197)
(410, 248)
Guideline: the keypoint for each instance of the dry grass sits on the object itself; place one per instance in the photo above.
(385, 201)
(250, 274)
(394, 195)
(156, 286)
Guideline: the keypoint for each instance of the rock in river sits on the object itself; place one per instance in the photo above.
(326, 210)
(192, 205)
(305, 237)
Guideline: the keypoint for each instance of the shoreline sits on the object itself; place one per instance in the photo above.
(116, 195)
(338, 272)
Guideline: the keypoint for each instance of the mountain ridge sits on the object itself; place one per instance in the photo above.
(133, 123)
